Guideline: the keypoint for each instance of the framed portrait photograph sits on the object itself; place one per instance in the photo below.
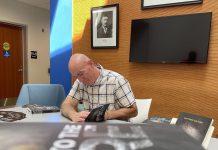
(162, 3)
(105, 26)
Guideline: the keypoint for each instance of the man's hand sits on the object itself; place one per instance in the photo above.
(79, 116)
(106, 117)
(69, 110)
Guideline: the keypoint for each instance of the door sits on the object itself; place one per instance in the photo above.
(11, 61)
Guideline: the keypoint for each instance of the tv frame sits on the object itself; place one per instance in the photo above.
(179, 62)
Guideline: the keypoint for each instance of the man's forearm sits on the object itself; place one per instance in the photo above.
(68, 109)
(122, 114)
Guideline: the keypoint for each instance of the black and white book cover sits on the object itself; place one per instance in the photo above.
(11, 116)
(94, 136)
(37, 109)
(195, 125)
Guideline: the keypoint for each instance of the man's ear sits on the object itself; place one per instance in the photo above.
(91, 62)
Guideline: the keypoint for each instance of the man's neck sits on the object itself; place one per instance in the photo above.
(97, 73)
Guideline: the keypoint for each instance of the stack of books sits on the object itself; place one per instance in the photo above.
(37, 109)
(198, 127)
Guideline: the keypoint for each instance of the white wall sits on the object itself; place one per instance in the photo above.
(35, 19)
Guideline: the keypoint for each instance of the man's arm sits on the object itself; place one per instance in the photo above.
(69, 110)
(123, 113)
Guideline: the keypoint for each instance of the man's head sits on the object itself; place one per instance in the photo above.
(104, 20)
(83, 68)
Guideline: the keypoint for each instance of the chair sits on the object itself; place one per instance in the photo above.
(143, 106)
(41, 94)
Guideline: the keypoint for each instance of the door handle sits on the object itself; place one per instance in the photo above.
(20, 70)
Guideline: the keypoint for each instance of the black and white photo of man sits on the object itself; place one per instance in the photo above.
(104, 27)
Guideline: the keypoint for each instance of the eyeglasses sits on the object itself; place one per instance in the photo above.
(80, 73)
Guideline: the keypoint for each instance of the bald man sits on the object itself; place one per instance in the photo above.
(96, 86)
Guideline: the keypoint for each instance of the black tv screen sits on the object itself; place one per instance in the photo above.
(172, 39)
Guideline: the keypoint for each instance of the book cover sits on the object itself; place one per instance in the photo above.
(194, 125)
(37, 109)
(10, 116)
(94, 136)
(97, 114)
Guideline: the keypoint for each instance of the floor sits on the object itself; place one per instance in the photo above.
(8, 101)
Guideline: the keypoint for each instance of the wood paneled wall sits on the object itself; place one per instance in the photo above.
(173, 87)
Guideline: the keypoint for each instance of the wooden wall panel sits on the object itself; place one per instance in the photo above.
(173, 87)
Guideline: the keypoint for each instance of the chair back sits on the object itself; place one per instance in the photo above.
(143, 106)
(41, 94)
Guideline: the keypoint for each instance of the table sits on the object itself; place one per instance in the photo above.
(57, 117)
(47, 117)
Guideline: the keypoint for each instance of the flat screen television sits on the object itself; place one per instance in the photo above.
(171, 39)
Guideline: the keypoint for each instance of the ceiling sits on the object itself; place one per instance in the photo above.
(45, 4)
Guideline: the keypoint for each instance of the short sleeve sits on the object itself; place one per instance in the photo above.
(123, 93)
(75, 91)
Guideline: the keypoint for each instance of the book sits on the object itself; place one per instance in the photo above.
(208, 136)
(10, 116)
(195, 125)
(101, 136)
(173, 121)
(37, 109)
(97, 114)
(158, 119)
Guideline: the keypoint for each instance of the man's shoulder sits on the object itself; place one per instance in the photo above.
(112, 74)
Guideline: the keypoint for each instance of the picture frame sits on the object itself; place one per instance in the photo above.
(162, 3)
(105, 26)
